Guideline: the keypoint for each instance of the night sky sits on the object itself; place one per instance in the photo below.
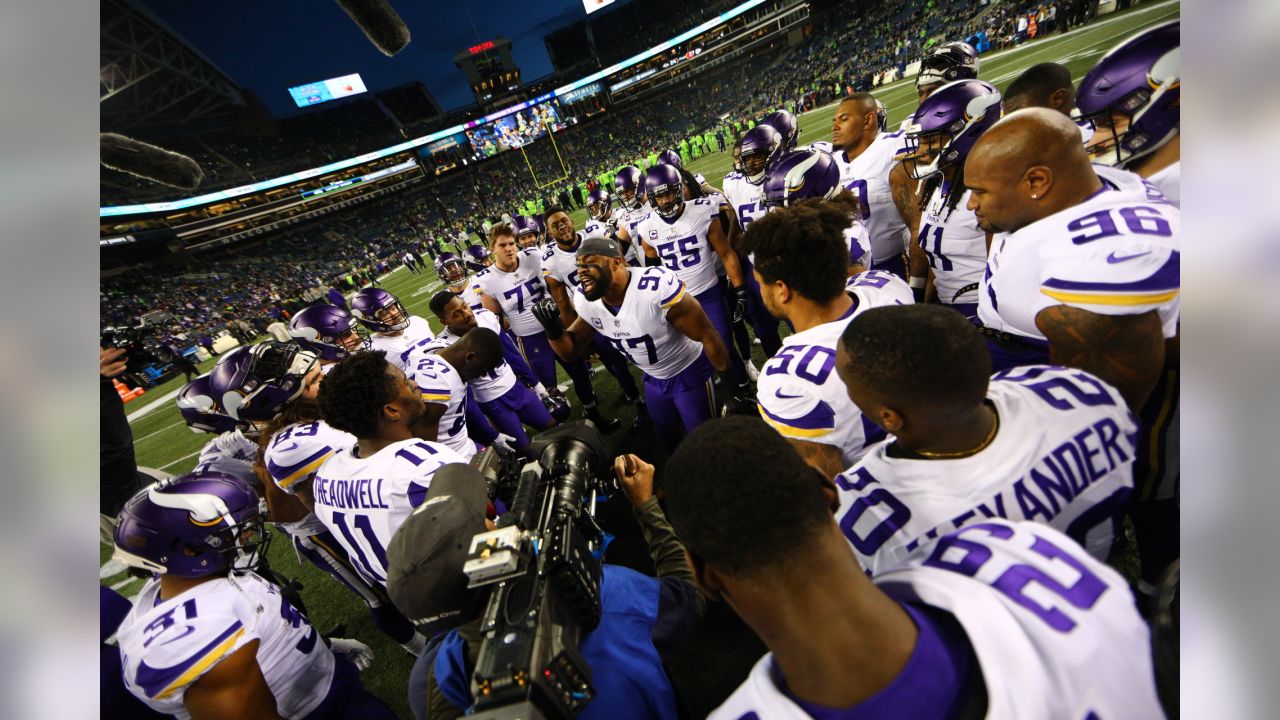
(271, 45)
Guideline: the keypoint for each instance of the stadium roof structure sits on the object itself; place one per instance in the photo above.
(149, 76)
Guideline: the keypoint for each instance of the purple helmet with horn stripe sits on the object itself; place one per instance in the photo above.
(801, 175)
(257, 382)
(326, 330)
(761, 146)
(200, 412)
(598, 205)
(628, 185)
(785, 123)
(379, 310)
(947, 124)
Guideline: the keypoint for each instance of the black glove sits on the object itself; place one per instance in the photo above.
(740, 306)
(548, 314)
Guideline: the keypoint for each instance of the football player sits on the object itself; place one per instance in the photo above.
(801, 257)
(950, 251)
(208, 638)
(273, 387)
(508, 290)
(866, 156)
(647, 315)
(529, 232)
(997, 619)
(1046, 85)
(452, 270)
(364, 490)
(757, 150)
(477, 257)
(946, 63)
(785, 123)
(1132, 97)
(599, 206)
(234, 446)
(1047, 444)
(443, 374)
(812, 174)
(684, 237)
(508, 404)
(328, 331)
(392, 329)
(633, 205)
(1085, 270)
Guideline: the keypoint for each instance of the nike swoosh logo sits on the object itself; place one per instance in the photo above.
(778, 394)
(292, 446)
(187, 630)
(1112, 259)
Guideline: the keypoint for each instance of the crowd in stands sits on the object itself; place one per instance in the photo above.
(847, 44)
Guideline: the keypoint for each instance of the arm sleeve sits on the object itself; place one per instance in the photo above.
(680, 602)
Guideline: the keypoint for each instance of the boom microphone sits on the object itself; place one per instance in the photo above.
(148, 161)
(380, 24)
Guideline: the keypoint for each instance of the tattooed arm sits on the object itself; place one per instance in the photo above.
(1125, 350)
(826, 458)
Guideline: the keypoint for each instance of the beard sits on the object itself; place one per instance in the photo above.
(599, 286)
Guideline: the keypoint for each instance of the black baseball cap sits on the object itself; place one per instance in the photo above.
(599, 245)
(425, 557)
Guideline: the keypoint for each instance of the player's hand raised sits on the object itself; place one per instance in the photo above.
(548, 315)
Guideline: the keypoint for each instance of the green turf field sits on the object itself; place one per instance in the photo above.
(162, 440)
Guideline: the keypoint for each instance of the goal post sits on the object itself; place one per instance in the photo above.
(564, 169)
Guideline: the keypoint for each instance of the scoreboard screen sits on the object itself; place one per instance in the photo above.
(326, 90)
(593, 5)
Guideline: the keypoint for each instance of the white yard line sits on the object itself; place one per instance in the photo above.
(184, 457)
(155, 403)
(163, 429)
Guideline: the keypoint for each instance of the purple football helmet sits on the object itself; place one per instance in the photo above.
(1140, 78)
(785, 123)
(476, 257)
(450, 268)
(628, 184)
(598, 205)
(761, 146)
(557, 404)
(670, 157)
(192, 526)
(947, 63)
(326, 330)
(801, 175)
(195, 403)
(661, 180)
(379, 310)
(947, 125)
(257, 382)
(528, 231)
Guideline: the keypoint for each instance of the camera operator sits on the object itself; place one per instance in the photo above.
(120, 479)
(643, 619)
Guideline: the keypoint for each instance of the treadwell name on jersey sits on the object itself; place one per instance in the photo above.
(359, 493)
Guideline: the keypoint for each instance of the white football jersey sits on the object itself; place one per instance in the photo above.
(682, 244)
(1169, 182)
(516, 291)
(440, 384)
(468, 292)
(799, 393)
(166, 645)
(417, 331)
(867, 177)
(1055, 632)
(362, 501)
(956, 247)
(746, 199)
(295, 453)
(490, 386)
(1063, 456)
(562, 265)
(231, 453)
(628, 220)
(874, 288)
(639, 329)
(1116, 253)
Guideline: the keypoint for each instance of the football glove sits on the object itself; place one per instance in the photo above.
(548, 315)
(740, 306)
(358, 653)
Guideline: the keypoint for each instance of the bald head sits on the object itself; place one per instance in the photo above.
(1028, 166)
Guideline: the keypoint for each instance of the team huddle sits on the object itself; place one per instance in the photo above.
(970, 384)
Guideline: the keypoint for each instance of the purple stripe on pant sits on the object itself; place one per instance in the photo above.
(518, 407)
(681, 403)
(323, 551)
(517, 362)
(763, 323)
(542, 359)
(713, 304)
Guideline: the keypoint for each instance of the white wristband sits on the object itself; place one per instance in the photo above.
(917, 282)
